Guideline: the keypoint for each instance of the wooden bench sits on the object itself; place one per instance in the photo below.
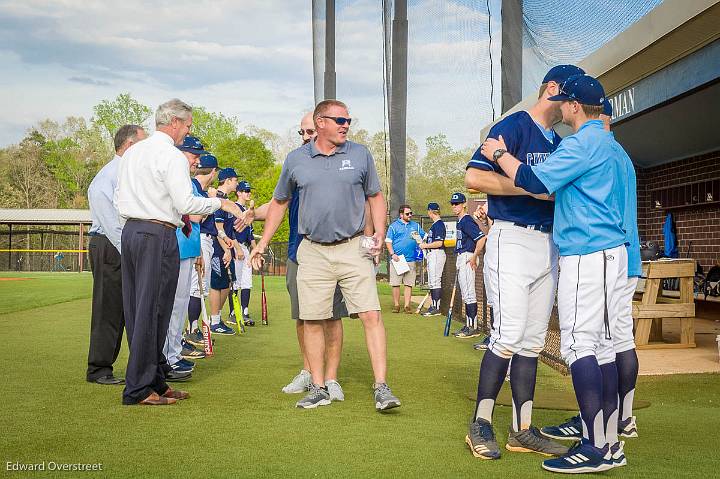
(649, 312)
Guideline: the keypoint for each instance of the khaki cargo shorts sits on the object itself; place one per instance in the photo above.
(322, 267)
(407, 278)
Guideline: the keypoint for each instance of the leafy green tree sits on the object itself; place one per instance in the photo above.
(212, 128)
(110, 115)
(248, 155)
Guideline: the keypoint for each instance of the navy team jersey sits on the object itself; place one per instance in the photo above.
(437, 233)
(208, 225)
(528, 144)
(294, 238)
(468, 234)
(245, 236)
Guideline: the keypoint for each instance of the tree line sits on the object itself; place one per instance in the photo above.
(53, 165)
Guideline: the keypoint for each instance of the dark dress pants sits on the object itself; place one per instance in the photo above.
(107, 323)
(150, 268)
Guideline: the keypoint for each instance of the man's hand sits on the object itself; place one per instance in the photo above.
(491, 145)
(473, 262)
(256, 256)
(200, 266)
(395, 257)
(212, 192)
(543, 196)
(480, 214)
(239, 253)
(244, 220)
(227, 257)
(378, 240)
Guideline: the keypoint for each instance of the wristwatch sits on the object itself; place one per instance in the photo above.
(497, 154)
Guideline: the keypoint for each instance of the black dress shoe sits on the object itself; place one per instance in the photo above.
(109, 380)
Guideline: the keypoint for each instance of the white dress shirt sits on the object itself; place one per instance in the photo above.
(154, 183)
(104, 214)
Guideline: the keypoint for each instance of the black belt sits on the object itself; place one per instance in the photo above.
(334, 243)
(540, 228)
(166, 224)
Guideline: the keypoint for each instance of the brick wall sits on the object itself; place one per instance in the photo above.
(697, 223)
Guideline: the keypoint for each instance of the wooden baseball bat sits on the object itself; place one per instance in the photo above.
(419, 308)
(205, 327)
(448, 320)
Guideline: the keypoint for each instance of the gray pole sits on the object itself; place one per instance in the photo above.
(330, 91)
(318, 36)
(511, 53)
(398, 107)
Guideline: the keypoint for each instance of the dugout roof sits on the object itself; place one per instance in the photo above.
(663, 77)
(44, 216)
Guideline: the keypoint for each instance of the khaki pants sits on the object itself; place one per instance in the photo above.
(321, 268)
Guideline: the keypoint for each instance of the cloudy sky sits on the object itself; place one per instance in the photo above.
(246, 58)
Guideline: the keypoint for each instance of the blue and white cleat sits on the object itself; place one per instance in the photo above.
(628, 428)
(616, 454)
(570, 430)
(581, 458)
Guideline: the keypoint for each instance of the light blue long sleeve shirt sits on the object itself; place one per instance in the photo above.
(104, 215)
(589, 177)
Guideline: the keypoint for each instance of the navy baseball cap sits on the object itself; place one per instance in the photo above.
(208, 161)
(607, 108)
(457, 198)
(226, 173)
(582, 89)
(192, 144)
(243, 186)
(561, 73)
(433, 206)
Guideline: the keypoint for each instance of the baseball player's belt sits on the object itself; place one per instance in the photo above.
(540, 228)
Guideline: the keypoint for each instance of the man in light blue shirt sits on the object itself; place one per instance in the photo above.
(589, 175)
(107, 324)
(401, 241)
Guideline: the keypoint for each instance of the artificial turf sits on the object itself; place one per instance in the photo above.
(239, 424)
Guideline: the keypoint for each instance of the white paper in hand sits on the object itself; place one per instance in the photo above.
(401, 266)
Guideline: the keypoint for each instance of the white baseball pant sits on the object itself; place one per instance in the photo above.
(590, 294)
(435, 265)
(466, 278)
(206, 246)
(173, 341)
(243, 270)
(521, 273)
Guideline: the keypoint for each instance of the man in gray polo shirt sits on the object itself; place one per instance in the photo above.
(333, 177)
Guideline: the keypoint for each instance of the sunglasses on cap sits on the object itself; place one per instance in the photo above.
(309, 131)
(340, 120)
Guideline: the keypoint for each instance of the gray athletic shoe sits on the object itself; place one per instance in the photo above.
(299, 384)
(481, 439)
(384, 398)
(316, 397)
(431, 312)
(335, 391)
(530, 440)
(464, 330)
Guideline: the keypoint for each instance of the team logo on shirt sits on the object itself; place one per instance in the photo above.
(346, 165)
(533, 159)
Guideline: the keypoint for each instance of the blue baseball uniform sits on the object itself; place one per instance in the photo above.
(243, 268)
(208, 231)
(520, 268)
(468, 234)
(435, 259)
(219, 278)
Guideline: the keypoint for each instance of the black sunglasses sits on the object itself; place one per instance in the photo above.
(409, 213)
(340, 120)
(309, 131)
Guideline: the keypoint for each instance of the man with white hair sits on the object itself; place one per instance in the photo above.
(154, 195)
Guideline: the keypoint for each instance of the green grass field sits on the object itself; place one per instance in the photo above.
(239, 424)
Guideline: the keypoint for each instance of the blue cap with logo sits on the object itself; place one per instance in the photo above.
(560, 73)
(582, 89)
(433, 207)
(192, 144)
(607, 108)
(226, 173)
(243, 186)
(457, 198)
(208, 161)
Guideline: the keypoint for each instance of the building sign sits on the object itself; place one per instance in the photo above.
(623, 103)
